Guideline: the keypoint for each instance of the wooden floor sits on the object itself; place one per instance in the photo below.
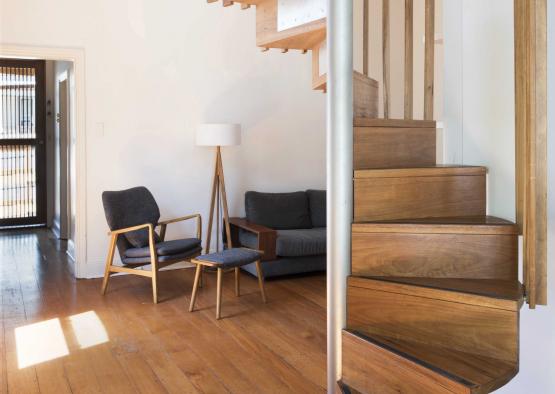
(59, 335)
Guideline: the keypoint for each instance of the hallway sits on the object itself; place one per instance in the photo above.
(59, 335)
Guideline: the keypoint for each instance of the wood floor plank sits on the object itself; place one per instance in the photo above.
(20, 380)
(3, 370)
(143, 377)
(51, 378)
(277, 347)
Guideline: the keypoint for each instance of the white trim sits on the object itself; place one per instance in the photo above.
(77, 56)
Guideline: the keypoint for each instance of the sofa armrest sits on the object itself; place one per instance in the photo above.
(266, 236)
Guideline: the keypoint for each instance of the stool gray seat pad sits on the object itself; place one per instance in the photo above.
(235, 257)
(166, 248)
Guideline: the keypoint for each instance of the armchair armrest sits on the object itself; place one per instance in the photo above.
(116, 233)
(134, 228)
(266, 237)
(163, 224)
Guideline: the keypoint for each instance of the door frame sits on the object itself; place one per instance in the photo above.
(40, 141)
(77, 249)
(64, 156)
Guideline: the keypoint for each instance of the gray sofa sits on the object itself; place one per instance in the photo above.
(289, 227)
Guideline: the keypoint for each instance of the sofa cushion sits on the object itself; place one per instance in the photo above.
(301, 242)
(280, 211)
(317, 206)
(166, 248)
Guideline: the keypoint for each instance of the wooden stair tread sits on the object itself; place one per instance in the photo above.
(502, 294)
(431, 171)
(484, 225)
(479, 373)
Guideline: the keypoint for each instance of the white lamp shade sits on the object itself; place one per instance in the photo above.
(218, 134)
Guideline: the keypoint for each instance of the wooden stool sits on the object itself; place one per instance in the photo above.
(229, 258)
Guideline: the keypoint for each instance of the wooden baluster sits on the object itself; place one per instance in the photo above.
(429, 60)
(409, 56)
(386, 58)
(365, 38)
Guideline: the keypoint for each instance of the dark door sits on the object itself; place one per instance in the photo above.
(22, 148)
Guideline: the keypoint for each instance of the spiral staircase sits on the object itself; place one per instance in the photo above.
(433, 299)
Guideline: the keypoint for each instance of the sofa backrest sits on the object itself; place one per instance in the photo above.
(317, 207)
(280, 211)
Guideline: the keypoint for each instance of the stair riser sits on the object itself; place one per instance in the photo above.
(419, 197)
(471, 256)
(370, 369)
(469, 328)
(379, 147)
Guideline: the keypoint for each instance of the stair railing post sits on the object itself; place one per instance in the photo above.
(339, 176)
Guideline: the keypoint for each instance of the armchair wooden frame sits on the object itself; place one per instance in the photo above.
(266, 237)
(155, 264)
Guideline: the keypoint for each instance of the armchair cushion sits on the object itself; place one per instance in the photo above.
(163, 259)
(317, 204)
(280, 211)
(166, 248)
(131, 207)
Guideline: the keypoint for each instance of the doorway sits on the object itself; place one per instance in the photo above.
(22, 143)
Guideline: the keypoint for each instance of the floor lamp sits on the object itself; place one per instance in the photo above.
(218, 135)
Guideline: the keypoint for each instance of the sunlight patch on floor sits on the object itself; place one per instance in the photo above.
(40, 342)
(88, 329)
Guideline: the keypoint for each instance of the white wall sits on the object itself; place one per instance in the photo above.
(479, 94)
(479, 129)
(154, 70)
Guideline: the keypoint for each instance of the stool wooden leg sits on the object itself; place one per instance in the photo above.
(195, 287)
(219, 295)
(237, 282)
(201, 281)
(260, 280)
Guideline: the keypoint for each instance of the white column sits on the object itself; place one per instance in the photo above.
(339, 175)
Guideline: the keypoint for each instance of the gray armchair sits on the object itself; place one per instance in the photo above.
(133, 216)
